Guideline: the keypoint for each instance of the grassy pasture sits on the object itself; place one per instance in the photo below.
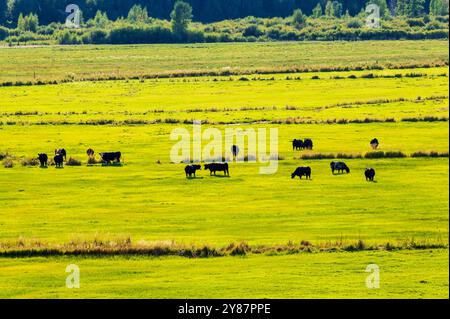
(78, 62)
(225, 100)
(403, 274)
(149, 199)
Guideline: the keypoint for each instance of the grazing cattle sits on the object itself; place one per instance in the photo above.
(297, 145)
(191, 169)
(62, 152)
(111, 157)
(370, 174)
(374, 143)
(235, 150)
(302, 171)
(59, 159)
(308, 144)
(217, 167)
(90, 152)
(340, 167)
(43, 159)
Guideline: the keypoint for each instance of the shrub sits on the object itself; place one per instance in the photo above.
(8, 163)
(348, 156)
(67, 37)
(73, 162)
(135, 35)
(378, 154)
(355, 24)
(30, 162)
(96, 37)
(238, 249)
(317, 156)
(252, 30)
(395, 155)
(93, 161)
(430, 154)
(416, 22)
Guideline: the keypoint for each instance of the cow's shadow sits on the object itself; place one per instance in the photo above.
(194, 177)
(220, 176)
(43, 167)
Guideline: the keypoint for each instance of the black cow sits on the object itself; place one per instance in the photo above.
(370, 174)
(59, 159)
(374, 143)
(62, 152)
(302, 171)
(308, 144)
(340, 167)
(235, 150)
(111, 157)
(297, 145)
(191, 169)
(43, 159)
(90, 152)
(217, 167)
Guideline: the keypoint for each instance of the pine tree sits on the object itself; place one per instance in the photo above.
(416, 8)
(317, 11)
(437, 7)
(298, 19)
(181, 17)
(329, 9)
(402, 8)
(21, 22)
(137, 14)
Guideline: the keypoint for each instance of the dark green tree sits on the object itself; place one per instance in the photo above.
(317, 11)
(416, 8)
(181, 17)
(298, 19)
(137, 14)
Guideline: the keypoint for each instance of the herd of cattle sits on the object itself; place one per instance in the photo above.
(61, 156)
(190, 170)
(302, 171)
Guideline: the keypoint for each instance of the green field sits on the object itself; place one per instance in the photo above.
(400, 222)
(419, 274)
(80, 62)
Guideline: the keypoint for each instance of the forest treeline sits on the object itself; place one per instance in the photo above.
(175, 21)
(203, 10)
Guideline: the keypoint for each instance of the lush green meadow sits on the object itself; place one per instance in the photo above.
(90, 62)
(419, 274)
(400, 222)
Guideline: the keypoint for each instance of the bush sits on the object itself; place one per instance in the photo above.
(8, 163)
(430, 154)
(73, 162)
(395, 155)
(355, 24)
(67, 37)
(378, 154)
(416, 22)
(381, 154)
(317, 156)
(135, 35)
(252, 30)
(96, 37)
(30, 162)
